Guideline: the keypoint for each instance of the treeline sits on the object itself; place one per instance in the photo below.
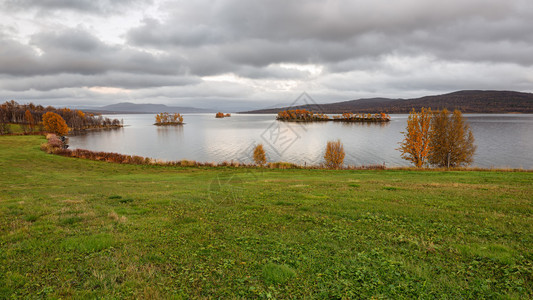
(351, 117)
(301, 115)
(30, 118)
(304, 115)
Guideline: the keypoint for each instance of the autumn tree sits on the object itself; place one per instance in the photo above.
(416, 144)
(55, 123)
(334, 155)
(177, 118)
(259, 155)
(4, 123)
(452, 141)
(28, 117)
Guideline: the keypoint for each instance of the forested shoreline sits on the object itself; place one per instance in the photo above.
(30, 118)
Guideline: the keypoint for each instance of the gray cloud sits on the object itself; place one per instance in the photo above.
(84, 6)
(356, 48)
(116, 80)
(76, 51)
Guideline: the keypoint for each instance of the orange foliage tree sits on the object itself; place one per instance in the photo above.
(177, 118)
(452, 141)
(28, 117)
(416, 144)
(55, 123)
(259, 155)
(334, 155)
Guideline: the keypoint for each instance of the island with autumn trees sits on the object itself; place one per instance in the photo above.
(220, 115)
(166, 119)
(303, 115)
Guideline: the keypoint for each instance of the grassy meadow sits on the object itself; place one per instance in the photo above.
(74, 228)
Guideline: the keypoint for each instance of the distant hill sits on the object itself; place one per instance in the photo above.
(128, 108)
(465, 101)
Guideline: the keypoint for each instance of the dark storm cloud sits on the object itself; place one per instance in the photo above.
(259, 33)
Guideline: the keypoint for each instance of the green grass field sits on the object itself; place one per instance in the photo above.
(85, 229)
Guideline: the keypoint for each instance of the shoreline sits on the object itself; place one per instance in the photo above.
(119, 158)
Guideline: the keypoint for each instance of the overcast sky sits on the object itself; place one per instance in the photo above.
(253, 53)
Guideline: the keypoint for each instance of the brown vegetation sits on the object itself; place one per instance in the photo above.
(334, 155)
(259, 155)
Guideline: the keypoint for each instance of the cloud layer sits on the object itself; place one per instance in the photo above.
(261, 53)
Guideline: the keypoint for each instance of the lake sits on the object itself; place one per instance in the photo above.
(503, 141)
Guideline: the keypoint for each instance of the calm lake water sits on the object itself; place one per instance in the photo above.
(502, 140)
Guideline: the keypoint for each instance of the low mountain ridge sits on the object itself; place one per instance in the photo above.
(468, 101)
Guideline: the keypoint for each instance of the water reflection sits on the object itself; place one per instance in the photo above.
(170, 131)
(93, 131)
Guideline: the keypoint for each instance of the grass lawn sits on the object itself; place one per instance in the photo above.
(76, 228)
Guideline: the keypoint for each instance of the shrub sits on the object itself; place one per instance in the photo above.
(334, 155)
(55, 142)
(187, 163)
(282, 165)
(259, 155)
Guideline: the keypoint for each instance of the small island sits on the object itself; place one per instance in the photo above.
(303, 115)
(166, 119)
(220, 115)
(351, 117)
